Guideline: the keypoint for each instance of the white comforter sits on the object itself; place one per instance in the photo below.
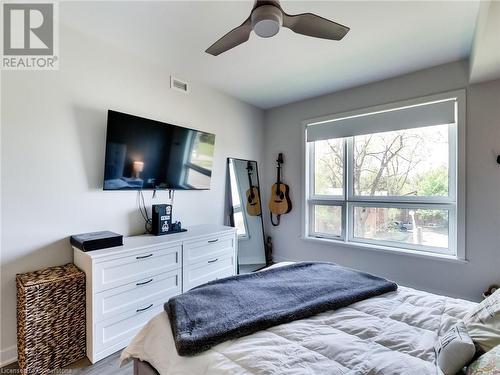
(391, 334)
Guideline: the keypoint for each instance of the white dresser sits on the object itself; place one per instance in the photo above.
(128, 285)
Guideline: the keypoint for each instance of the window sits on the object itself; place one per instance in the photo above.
(198, 165)
(387, 178)
(240, 220)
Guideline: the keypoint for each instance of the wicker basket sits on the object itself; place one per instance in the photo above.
(50, 318)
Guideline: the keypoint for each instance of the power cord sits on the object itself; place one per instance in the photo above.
(148, 222)
(171, 197)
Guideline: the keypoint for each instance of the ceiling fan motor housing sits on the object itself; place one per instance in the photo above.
(267, 20)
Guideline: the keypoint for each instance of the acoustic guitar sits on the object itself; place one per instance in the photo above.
(280, 202)
(253, 198)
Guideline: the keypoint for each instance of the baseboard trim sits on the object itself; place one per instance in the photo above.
(8, 356)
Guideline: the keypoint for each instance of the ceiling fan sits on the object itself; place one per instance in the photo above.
(267, 17)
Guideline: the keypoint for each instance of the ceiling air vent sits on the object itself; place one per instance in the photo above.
(178, 85)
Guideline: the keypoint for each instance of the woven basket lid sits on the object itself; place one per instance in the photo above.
(47, 275)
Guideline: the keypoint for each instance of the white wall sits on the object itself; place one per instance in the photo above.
(282, 133)
(52, 154)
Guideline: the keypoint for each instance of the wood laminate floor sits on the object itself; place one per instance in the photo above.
(106, 366)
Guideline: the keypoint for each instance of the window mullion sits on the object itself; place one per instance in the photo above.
(349, 168)
(349, 186)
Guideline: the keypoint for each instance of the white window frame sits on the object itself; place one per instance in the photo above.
(240, 208)
(243, 237)
(454, 203)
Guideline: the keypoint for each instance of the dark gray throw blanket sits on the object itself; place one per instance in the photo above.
(240, 305)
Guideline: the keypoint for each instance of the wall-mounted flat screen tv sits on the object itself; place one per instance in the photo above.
(148, 154)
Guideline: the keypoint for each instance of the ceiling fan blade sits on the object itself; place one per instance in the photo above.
(312, 25)
(234, 38)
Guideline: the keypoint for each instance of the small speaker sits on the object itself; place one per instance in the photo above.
(162, 219)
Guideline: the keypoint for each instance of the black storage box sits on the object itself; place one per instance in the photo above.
(96, 240)
(162, 219)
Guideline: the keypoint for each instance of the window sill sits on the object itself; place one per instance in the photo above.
(386, 249)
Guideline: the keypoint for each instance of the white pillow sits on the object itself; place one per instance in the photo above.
(483, 322)
(455, 350)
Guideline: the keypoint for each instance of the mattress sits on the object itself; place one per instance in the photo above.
(391, 334)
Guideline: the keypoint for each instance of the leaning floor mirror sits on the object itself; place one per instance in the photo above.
(245, 213)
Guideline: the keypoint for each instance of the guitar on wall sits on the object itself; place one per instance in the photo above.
(280, 202)
(253, 198)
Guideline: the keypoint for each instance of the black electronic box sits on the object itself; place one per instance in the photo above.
(96, 240)
(162, 220)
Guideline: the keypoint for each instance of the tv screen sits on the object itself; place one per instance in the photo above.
(148, 154)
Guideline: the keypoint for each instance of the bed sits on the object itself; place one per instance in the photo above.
(394, 333)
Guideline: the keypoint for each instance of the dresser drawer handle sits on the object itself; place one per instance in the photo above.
(213, 241)
(144, 309)
(213, 260)
(144, 282)
(144, 256)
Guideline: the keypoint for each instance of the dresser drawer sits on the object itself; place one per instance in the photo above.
(114, 334)
(203, 272)
(208, 248)
(138, 265)
(136, 294)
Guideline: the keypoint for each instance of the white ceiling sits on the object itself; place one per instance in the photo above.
(485, 55)
(387, 38)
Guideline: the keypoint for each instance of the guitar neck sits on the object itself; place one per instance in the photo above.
(278, 178)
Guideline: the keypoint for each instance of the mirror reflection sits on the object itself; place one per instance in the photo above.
(246, 214)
